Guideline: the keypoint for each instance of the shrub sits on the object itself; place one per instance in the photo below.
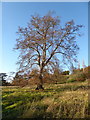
(80, 76)
(87, 71)
(60, 79)
(65, 73)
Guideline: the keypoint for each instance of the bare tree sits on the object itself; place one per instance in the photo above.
(42, 40)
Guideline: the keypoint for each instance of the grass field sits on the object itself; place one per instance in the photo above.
(68, 100)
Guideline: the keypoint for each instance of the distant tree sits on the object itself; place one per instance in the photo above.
(87, 72)
(47, 76)
(72, 68)
(57, 71)
(83, 65)
(20, 80)
(3, 79)
(65, 73)
(33, 76)
(42, 40)
(16, 79)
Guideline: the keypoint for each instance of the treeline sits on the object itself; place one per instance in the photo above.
(32, 78)
(55, 77)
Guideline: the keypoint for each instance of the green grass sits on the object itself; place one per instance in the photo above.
(68, 100)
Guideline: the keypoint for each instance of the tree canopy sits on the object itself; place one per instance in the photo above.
(43, 39)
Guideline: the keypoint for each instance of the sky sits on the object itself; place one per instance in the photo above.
(16, 14)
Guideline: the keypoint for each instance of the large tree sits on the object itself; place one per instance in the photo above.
(41, 42)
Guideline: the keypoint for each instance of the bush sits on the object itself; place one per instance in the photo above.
(60, 79)
(87, 72)
(80, 76)
(65, 73)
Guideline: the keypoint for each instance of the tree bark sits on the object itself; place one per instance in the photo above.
(40, 84)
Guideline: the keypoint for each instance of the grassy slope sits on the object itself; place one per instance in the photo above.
(56, 101)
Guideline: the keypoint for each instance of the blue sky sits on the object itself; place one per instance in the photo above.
(19, 13)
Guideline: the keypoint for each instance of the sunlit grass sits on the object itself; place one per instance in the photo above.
(68, 100)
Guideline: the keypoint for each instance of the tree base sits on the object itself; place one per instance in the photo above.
(39, 87)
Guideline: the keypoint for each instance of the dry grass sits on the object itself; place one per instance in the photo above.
(68, 100)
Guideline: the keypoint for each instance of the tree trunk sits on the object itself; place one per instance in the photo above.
(40, 84)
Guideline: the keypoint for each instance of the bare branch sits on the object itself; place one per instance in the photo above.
(43, 39)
